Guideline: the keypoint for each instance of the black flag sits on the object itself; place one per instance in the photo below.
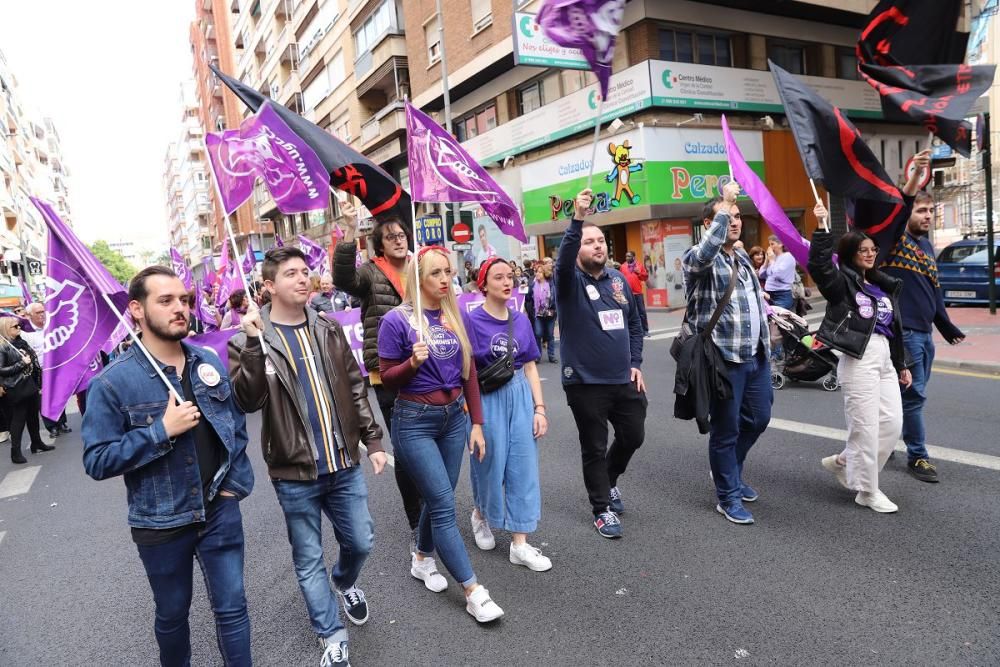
(831, 147)
(350, 171)
(910, 54)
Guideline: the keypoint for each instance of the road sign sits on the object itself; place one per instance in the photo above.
(34, 267)
(430, 230)
(925, 177)
(461, 233)
(461, 247)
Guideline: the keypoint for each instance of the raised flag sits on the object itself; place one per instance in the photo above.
(831, 147)
(265, 147)
(315, 254)
(249, 260)
(79, 320)
(180, 267)
(203, 311)
(25, 292)
(349, 170)
(441, 171)
(589, 25)
(224, 257)
(278, 242)
(916, 66)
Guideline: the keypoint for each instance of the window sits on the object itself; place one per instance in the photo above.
(475, 123)
(375, 26)
(787, 55)
(325, 83)
(682, 46)
(482, 14)
(342, 130)
(847, 64)
(433, 37)
(320, 24)
(530, 97)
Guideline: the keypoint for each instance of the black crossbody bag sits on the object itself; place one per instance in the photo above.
(501, 371)
(686, 332)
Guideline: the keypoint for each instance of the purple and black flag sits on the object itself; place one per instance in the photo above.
(589, 25)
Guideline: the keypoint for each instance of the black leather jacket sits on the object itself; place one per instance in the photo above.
(844, 327)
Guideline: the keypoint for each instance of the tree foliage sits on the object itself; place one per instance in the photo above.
(113, 261)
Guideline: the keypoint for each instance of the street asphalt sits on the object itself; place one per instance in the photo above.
(817, 580)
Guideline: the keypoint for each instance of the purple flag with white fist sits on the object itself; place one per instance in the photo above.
(589, 25)
(180, 267)
(442, 171)
(315, 253)
(79, 320)
(267, 148)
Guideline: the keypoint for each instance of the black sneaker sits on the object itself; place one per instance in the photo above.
(923, 470)
(53, 434)
(355, 605)
(615, 502)
(334, 655)
(608, 525)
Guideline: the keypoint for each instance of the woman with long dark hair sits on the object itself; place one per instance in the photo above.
(21, 375)
(863, 322)
(544, 301)
(425, 354)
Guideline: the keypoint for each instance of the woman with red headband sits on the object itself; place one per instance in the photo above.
(505, 484)
(427, 357)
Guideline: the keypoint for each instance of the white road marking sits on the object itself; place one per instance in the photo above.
(18, 482)
(2, 533)
(935, 451)
(813, 321)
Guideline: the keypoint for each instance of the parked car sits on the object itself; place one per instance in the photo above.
(963, 271)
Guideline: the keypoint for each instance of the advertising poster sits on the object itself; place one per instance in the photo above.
(664, 243)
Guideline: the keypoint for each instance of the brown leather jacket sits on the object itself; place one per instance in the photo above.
(269, 384)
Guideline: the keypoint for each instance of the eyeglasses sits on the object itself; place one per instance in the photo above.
(868, 251)
(398, 236)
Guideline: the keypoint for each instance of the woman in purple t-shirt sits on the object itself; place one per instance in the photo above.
(505, 484)
(427, 358)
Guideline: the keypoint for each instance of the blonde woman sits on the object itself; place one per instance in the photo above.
(427, 357)
(18, 364)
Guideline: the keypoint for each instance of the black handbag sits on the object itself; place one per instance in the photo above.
(501, 371)
(687, 331)
(23, 389)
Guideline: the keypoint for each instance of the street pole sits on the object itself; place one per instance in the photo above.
(991, 268)
(447, 120)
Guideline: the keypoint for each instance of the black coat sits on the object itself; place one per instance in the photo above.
(844, 326)
(372, 287)
(700, 375)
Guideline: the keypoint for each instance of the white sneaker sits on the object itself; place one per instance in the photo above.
(334, 655)
(426, 571)
(876, 501)
(4, 436)
(482, 608)
(530, 557)
(830, 464)
(481, 531)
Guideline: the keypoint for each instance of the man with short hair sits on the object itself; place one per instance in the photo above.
(315, 414)
(741, 336)
(779, 275)
(378, 284)
(636, 274)
(601, 352)
(185, 466)
(35, 312)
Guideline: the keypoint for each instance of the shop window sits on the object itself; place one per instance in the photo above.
(530, 97)
(789, 56)
(684, 46)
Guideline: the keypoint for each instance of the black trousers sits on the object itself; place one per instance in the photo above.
(25, 414)
(51, 425)
(640, 304)
(593, 406)
(412, 503)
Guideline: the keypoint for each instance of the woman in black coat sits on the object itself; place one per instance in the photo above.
(18, 364)
(863, 322)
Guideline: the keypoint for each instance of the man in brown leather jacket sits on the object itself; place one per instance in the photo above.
(315, 414)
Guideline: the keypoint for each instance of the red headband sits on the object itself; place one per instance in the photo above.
(423, 251)
(484, 270)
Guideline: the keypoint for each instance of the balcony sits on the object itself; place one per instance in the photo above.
(290, 56)
(379, 67)
(385, 124)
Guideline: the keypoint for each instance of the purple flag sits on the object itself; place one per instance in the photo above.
(203, 311)
(214, 341)
(25, 293)
(180, 267)
(278, 242)
(589, 25)
(265, 147)
(79, 320)
(768, 207)
(249, 260)
(230, 280)
(315, 253)
(442, 171)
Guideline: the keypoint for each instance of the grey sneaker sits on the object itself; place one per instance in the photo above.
(334, 655)
(481, 531)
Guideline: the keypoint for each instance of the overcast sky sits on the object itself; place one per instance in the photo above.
(108, 73)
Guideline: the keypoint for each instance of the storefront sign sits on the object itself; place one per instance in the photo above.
(650, 165)
(532, 47)
(430, 230)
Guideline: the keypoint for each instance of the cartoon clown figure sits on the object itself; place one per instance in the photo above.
(622, 170)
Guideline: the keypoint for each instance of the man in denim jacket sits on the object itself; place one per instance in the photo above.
(185, 466)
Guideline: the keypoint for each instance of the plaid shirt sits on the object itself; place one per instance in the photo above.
(706, 278)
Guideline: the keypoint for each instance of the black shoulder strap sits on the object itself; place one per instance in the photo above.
(724, 301)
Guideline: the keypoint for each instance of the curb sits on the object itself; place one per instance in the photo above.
(990, 367)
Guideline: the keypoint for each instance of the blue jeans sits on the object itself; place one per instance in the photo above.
(505, 484)
(545, 331)
(343, 497)
(782, 298)
(169, 567)
(737, 423)
(920, 346)
(431, 441)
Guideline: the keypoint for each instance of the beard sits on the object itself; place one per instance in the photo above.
(592, 265)
(163, 331)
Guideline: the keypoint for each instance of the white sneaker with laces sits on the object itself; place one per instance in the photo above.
(426, 571)
(876, 501)
(530, 557)
(482, 608)
(839, 470)
(334, 655)
(481, 531)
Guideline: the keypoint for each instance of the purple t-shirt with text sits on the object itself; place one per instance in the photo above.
(443, 368)
(488, 336)
(878, 304)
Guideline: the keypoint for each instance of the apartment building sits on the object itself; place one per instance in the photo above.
(525, 108)
(31, 164)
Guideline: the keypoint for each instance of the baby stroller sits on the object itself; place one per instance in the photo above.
(804, 359)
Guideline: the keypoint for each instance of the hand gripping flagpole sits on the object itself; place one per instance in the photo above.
(136, 341)
(826, 226)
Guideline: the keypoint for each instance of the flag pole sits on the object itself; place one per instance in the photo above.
(419, 313)
(597, 137)
(826, 225)
(136, 341)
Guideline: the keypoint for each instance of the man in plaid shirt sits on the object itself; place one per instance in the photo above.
(743, 341)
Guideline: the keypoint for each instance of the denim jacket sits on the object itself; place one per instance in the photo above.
(123, 434)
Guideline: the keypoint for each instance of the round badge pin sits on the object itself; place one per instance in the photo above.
(209, 375)
(593, 293)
